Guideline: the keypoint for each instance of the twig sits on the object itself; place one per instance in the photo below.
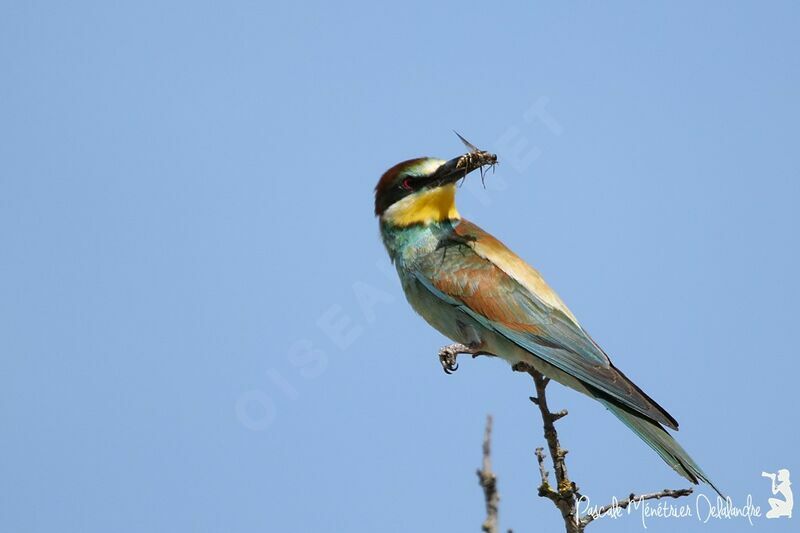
(488, 481)
(565, 494)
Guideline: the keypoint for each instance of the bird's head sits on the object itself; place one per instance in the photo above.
(422, 190)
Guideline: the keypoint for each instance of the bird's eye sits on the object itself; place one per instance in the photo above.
(406, 184)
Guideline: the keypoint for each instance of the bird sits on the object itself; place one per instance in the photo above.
(473, 289)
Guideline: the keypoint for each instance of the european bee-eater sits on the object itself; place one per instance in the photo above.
(474, 290)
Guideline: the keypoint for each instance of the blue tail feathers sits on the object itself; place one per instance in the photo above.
(662, 442)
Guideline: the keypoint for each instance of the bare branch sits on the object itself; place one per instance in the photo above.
(545, 475)
(564, 494)
(488, 482)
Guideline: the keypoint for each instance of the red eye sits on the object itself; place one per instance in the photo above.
(406, 184)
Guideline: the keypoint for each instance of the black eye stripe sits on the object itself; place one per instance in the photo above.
(412, 183)
(398, 191)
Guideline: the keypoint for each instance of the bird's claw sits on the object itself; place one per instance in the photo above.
(448, 355)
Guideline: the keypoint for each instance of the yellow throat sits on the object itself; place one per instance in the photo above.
(424, 207)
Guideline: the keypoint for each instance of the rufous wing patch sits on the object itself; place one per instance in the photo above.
(498, 253)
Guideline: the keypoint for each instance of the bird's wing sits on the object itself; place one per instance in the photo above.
(478, 274)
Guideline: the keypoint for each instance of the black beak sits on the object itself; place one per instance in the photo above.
(459, 167)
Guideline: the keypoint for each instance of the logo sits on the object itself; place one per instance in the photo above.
(704, 509)
(780, 485)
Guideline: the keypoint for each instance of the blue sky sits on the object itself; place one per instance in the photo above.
(200, 331)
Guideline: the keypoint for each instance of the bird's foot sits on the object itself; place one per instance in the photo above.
(448, 355)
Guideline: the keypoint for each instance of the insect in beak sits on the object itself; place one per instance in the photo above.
(474, 159)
